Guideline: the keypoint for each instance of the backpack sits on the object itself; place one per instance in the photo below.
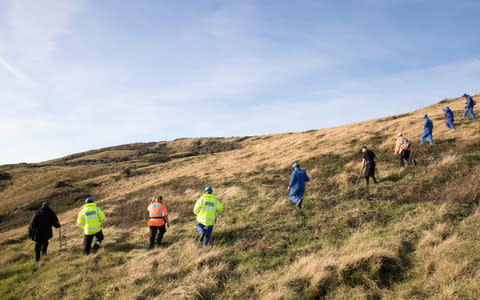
(406, 144)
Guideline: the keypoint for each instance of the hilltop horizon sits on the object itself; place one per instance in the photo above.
(206, 137)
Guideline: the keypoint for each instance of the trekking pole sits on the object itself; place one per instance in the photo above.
(60, 237)
(359, 175)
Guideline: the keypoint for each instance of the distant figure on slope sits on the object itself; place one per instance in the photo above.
(402, 149)
(469, 107)
(296, 186)
(206, 209)
(90, 218)
(158, 218)
(368, 163)
(40, 229)
(449, 116)
(427, 131)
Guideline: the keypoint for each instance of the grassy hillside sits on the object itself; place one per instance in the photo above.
(413, 236)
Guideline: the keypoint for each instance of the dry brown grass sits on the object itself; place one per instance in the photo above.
(418, 255)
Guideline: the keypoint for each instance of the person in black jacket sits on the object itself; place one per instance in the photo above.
(369, 164)
(40, 229)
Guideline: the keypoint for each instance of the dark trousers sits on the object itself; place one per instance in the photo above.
(205, 231)
(87, 242)
(40, 247)
(370, 172)
(153, 235)
(404, 155)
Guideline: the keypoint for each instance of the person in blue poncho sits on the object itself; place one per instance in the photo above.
(469, 107)
(296, 186)
(449, 116)
(427, 131)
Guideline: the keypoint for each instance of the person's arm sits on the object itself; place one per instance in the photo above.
(80, 221)
(165, 214)
(55, 222)
(101, 215)
(398, 148)
(32, 227)
(219, 206)
(198, 206)
(292, 180)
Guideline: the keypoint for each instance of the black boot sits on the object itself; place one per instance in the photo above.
(96, 246)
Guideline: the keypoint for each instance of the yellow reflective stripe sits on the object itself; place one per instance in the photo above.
(96, 227)
(206, 219)
(209, 208)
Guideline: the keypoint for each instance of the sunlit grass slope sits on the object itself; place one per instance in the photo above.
(415, 235)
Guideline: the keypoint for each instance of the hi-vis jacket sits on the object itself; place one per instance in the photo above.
(157, 213)
(206, 209)
(90, 218)
(400, 146)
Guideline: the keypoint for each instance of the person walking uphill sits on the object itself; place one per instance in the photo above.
(427, 131)
(296, 186)
(469, 107)
(40, 229)
(449, 116)
(368, 163)
(402, 149)
(90, 218)
(158, 218)
(206, 209)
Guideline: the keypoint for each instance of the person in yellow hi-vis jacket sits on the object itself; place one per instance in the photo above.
(206, 210)
(90, 218)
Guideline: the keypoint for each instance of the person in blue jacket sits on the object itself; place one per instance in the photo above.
(427, 131)
(449, 116)
(469, 107)
(296, 185)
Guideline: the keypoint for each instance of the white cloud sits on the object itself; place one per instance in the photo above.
(35, 27)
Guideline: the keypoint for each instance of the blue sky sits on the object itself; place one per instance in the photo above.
(77, 75)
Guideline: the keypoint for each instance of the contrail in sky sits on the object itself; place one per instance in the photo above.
(18, 74)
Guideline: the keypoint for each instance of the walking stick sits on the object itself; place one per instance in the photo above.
(60, 237)
(360, 175)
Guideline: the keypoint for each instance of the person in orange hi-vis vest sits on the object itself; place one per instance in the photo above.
(158, 218)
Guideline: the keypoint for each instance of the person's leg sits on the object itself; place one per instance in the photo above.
(367, 174)
(161, 232)
(406, 156)
(44, 247)
(208, 234)
(153, 233)
(98, 241)
(472, 115)
(400, 159)
(200, 228)
(465, 112)
(372, 174)
(300, 199)
(450, 124)
(423, 139)
(87, 243)
(201, 231)
(293, 195)
(37, 249)
(430, 139)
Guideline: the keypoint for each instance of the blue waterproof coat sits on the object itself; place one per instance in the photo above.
(448, 113)
(428, 126)
(469, 103)
(297, 180)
